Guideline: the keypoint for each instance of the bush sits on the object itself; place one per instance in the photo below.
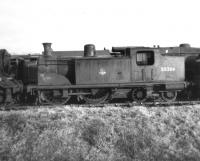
(91, 131)
(136, 141)
(14, 122)
(101, 134)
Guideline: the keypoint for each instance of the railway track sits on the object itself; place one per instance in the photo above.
(9, 107)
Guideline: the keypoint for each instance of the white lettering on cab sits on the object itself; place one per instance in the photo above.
(168, 69)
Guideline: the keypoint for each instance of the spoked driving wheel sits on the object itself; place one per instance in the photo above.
(169, 96)
(139, 95)
(53, 97)
(97, 96)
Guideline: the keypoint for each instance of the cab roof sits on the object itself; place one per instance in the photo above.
(182, 49)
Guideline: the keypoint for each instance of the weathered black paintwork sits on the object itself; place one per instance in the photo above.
(126, 70)
(120, 71)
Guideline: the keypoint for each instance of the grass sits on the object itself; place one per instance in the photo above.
(101, 134)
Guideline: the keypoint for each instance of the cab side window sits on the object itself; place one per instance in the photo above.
(145, 58)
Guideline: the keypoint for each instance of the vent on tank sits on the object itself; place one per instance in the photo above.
(89, 50)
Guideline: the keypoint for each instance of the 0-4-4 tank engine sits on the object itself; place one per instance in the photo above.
(96, 76)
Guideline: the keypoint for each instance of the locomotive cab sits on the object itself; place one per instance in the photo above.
(152, 65)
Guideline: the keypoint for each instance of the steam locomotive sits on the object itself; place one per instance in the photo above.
(95, 76)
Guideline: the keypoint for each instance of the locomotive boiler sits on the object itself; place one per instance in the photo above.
(95, 76)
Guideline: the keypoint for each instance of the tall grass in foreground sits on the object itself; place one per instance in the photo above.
(101, 134)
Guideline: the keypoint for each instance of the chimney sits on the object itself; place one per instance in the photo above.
(47, 49)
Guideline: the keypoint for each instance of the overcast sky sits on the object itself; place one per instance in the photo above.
(69, 24)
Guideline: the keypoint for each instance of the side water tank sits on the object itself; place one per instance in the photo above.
(89, 50)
